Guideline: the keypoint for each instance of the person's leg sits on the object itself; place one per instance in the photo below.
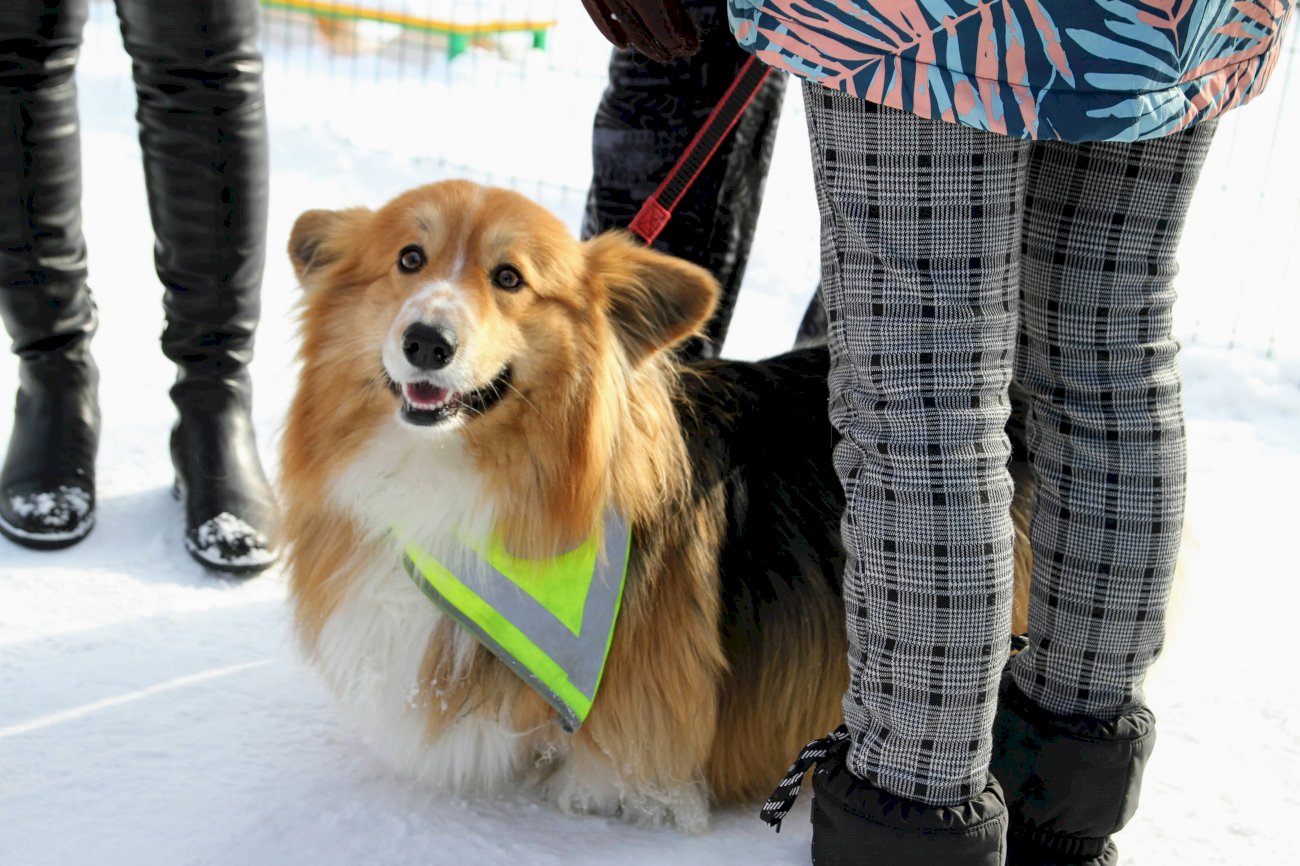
(47, 486)
(1106, 441)
(919, 223)
(812, 327)
(198, 75)
(648, 115)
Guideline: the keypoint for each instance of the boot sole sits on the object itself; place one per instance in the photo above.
(228, 568)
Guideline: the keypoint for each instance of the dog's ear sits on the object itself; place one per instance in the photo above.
(321, 237)
(655, 300)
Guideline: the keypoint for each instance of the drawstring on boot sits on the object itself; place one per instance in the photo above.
(779, 804)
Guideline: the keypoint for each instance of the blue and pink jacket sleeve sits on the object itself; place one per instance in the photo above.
(1073, 70)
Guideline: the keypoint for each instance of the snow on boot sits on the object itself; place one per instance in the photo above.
(1070, 781)
(47, 484)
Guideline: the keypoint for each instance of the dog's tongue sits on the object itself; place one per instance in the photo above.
(425, 394)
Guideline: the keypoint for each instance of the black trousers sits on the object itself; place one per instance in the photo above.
(198, 76)
(648, 115)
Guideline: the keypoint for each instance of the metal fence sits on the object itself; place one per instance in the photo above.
(465, 88)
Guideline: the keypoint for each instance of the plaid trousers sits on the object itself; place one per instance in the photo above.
(952, 260)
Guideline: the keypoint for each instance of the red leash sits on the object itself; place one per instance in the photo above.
(658, 209)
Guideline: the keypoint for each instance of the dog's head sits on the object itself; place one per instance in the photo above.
(455, 302)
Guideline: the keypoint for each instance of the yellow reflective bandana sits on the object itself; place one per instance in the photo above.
(549, 620)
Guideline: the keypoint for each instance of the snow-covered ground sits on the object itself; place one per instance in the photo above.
(151, 714)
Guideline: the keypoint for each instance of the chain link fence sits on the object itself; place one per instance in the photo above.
(502, 91)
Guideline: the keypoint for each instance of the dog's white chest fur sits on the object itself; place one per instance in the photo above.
(371, 650)
(372, 647)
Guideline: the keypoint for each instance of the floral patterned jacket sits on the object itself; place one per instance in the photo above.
(1075, 70)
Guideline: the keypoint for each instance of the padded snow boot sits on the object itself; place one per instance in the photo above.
(203, 132)
(47, 484)
(1070, 781)
(648, 115)
(856, 823)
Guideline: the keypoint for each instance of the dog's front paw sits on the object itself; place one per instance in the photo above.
(685, 805)
(596, 788)
(579, 785)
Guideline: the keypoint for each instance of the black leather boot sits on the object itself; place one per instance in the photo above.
(202, 117)
(1070, 781)
(229, 508)
(856, 823)
(648, 115)
(47, 485)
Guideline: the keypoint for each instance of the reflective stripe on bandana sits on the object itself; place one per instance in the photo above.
(550, 620)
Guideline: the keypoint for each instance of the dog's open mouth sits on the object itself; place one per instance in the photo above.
(424, 404)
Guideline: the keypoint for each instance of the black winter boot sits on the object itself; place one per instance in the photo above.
(857, 824)
(648, 115)
(47, 485)
(202, 117)
(1070, 781)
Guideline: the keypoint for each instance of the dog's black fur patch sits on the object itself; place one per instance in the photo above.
(762, 430)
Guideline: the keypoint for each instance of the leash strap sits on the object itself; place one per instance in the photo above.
(658, 209)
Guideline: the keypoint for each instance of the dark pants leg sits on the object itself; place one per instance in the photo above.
(47, 486)
(1105, 438)
(649, 113)
(1098, 359)
(920, 220)
(202, 115)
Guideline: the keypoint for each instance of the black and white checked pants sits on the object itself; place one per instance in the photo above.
(953, 259)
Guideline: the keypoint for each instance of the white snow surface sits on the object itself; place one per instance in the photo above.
(151, 713)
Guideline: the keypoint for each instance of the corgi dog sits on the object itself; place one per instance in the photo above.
(471, 371)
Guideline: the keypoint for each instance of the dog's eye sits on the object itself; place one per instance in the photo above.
(506, 277)
(411, 259)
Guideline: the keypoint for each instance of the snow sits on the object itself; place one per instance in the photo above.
(151, 713)
(48, 505)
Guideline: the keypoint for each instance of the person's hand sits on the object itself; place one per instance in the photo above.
(659, 29)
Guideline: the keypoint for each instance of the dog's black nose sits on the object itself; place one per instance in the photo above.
(427, 347)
